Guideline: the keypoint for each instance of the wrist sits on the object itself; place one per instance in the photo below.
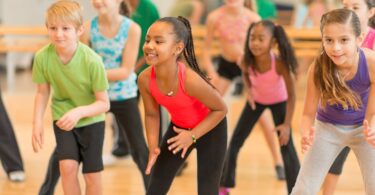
(193, 137)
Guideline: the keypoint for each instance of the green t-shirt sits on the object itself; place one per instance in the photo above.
(266, 9)
(74, 84)
(145, 14)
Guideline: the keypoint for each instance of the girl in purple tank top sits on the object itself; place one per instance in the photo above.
(268, 80)
(340, 99)
(363, 9)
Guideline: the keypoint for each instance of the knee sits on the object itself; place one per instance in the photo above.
(68, 168)
(92, 179)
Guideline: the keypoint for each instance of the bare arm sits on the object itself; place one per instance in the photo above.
(40, 104)
(129, 56)
(101, 105)
(152, 119)
(211, 98)
(151, 110)
(370, 110)
(309, 110)
(210, 30)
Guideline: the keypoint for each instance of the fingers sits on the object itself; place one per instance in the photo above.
(151, 161)
(65, 124)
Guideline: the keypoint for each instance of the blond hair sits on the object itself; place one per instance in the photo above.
(66, 11)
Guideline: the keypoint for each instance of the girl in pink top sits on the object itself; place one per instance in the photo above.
(365, 12)
(268, 79)
(197, 110)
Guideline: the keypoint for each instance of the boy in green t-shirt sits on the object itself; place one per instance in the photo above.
(79, 100)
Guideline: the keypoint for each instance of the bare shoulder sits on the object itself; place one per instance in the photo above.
(135, 28)
(254, 17)
(144, 77)
(212, 16)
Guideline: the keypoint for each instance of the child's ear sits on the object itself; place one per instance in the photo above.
(179, 47)
(80, 30)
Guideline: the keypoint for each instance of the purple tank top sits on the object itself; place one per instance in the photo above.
(360, 84)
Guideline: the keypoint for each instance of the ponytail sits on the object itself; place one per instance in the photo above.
(182, 28)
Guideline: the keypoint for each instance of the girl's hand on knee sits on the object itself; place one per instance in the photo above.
(180, 142)
(153, 155)
(284, 134)
(307, 140)
(369, 133)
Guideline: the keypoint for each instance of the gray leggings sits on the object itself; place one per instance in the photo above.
(329, 141)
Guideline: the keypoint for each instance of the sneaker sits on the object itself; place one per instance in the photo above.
(111, 160)
(223, 191)
(181, 169)
(17, 176)
(280, 173)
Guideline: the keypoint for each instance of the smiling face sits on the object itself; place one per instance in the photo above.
(161, 45)
(63, 34)
(106, 6)
(340, 43)
(260, 40)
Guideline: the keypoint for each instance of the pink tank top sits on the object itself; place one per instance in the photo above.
(368, 42)
(234, 31)
(268, 87)
(186, 111)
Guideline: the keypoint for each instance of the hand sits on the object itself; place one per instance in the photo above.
(69, 120)
(153, 155)
(37, 138)
(307, 140)
(182, 141)
(369, 133)
(284, 133)
(250, 100)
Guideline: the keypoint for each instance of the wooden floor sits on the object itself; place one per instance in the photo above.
(255, 173)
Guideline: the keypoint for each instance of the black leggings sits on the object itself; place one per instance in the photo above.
(210, 156)
(128, 117)
(338, 164)
(10, 155)
(243, 129)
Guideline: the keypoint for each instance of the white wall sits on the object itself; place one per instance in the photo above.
(31, 12)
(163, 6)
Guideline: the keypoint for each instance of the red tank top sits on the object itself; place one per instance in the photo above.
(186, 111)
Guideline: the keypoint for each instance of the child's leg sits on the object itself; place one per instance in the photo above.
(69, 172)
(334, 173)
(52, 175)
(243, 129)
(365, 154)
(93, 183)
(210, 156)
(165, 167)
(267, 126)
(288, 152)
(328, 142)
(130, 125)
(9, 152)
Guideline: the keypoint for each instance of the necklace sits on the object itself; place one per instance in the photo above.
(171, 92)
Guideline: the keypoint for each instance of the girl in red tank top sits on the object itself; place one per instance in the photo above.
(196, 108)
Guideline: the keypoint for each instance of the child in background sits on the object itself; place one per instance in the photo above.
(269, 81)
(339, 105)
(231, 22)
(198, 119)
(365, 12)
(79, 98)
